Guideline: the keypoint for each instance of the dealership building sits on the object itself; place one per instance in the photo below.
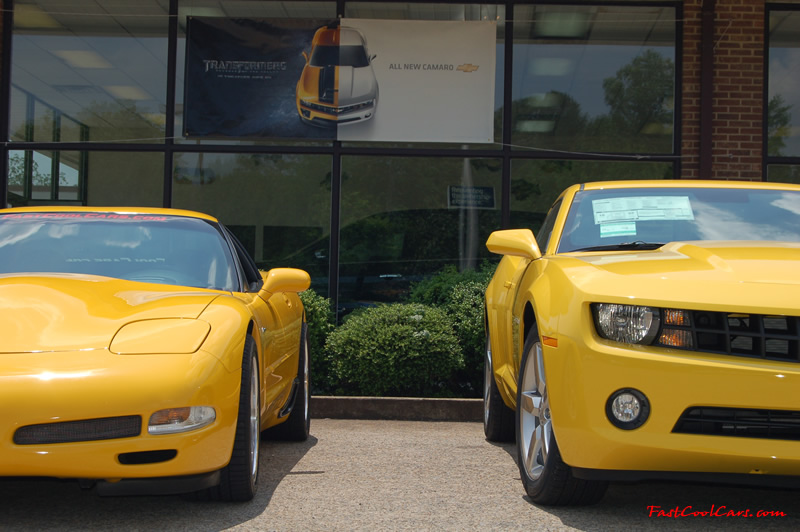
(435, 124)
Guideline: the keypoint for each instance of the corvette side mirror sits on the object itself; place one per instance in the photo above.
(517, 242)
(285, 280)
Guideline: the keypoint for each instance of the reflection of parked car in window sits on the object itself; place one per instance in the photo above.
(337, 85)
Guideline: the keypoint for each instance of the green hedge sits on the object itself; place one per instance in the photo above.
(320, 320)
(430, 346)
(401, 349)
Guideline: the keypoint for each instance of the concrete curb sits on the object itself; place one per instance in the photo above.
(397, 408)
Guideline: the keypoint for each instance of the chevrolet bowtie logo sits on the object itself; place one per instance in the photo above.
(469, 67)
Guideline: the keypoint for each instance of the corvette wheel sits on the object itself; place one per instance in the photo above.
(498, 419)
(545, 476)
(239, 477)
(297, 427)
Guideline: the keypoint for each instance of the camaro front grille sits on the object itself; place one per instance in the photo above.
(740, 422)
(337, 110)
(108, 428)
(750, 335)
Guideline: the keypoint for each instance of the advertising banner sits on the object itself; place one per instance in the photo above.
(349, 79)
(241, 76)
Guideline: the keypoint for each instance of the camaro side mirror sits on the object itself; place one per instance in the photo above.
(285, 280)
(517, 242)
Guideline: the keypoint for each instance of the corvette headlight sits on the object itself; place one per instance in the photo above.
(173, 420)
(168, 335)
(628, 324)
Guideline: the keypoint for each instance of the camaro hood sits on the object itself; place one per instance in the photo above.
(65, 312)
(356, 85)
(731, 274)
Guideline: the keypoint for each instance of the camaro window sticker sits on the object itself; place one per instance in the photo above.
(641, 209)
(617, 229)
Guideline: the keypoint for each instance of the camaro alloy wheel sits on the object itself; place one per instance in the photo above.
(498, 419)
(545, 476)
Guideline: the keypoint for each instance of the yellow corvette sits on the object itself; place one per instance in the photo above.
(651, 330)
(142, 351)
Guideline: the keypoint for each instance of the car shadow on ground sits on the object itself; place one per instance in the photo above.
(40, 504)
(678, 506)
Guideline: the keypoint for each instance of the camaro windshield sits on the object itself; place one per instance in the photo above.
(149, 248)
(345, 55)
(645, 218)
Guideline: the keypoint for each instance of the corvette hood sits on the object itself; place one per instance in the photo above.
(356, 85)
(730, 274)
(72, 312)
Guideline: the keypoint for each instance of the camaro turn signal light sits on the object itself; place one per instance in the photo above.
(175, 420)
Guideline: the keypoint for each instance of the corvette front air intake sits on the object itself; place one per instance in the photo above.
(108, 428)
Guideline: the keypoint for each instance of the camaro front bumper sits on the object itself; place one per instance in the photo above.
(583, 372)
(100, 388)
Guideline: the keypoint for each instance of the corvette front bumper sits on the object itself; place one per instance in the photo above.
(54, 388)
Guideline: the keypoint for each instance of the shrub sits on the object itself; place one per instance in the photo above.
(319, 317)
(436, 290)
(401, 349)
(465, 306)
(461, 295)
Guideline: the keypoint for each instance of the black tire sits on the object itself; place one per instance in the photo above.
(298, 425)
(239, 479)
(498, 419)
(545, 476)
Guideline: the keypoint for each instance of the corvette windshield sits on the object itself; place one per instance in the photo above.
(646, 218)
(148, 248)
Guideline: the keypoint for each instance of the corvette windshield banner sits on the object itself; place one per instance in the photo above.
(351, 79)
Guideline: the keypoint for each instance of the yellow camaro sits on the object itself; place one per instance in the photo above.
(337, 85)
(142, 351)
(651, 330)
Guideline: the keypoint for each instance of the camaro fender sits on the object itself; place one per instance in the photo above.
(535, 297)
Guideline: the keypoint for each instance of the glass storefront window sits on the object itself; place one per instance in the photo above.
(277, 205)
(44, 177)
(783, 105)
(405, 218)
(81, 73)
(594, 78)
(535, 184)
(129, 179)
(783, 173)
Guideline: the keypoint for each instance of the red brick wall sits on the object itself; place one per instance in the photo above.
(738, 90)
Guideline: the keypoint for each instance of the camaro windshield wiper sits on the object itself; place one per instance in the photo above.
(635, 245)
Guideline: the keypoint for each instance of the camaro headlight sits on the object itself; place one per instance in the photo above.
(628, 324)
(635, 324)
(174, 420)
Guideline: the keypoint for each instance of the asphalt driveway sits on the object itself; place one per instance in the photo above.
(391, 475)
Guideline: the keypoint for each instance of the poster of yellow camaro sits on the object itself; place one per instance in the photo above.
(346, 79)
